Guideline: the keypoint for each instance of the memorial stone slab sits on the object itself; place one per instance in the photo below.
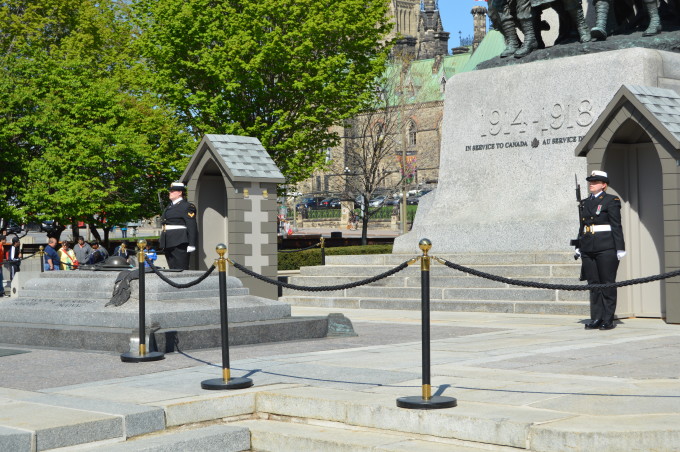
(506, 180)
(68, 309)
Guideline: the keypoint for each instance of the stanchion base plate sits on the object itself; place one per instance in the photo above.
(130, 357)
(233, 383)
(418, 403)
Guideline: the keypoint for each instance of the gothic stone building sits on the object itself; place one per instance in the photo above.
(420, 34)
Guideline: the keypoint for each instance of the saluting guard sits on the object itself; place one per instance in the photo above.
(601, 247)
(180, 231)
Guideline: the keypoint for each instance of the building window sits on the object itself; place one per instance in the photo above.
(412, 133)
(318, 183)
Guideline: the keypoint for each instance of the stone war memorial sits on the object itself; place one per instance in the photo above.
(232, 180)
(516, 131)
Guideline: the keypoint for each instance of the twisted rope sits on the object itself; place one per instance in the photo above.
(568, 287)
(177, 285)
(323, 288)
(301, 249)
(21, 258)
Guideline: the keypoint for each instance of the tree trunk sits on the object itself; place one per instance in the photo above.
(364, 228)
(107, 229)
(75, 231)
(95, 232)
(56, 233)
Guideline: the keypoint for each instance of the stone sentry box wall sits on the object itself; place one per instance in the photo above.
(232, 180)
(507, 169)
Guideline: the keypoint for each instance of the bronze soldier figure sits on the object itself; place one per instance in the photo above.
(503, 14)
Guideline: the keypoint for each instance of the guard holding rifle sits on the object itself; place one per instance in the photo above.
(180, 231)
(600, 246)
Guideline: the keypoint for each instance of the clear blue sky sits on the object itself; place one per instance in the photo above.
(456, 17)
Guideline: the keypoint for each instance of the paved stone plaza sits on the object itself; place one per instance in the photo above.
(535, 382)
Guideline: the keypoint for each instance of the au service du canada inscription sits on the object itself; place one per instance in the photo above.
(526, 128)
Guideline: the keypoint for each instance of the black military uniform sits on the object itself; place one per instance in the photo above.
(180, 231)
(600, 237)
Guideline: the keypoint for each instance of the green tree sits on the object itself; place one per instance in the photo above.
(283, 71)
(83, 139)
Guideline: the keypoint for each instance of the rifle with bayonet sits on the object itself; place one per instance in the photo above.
(576, 242)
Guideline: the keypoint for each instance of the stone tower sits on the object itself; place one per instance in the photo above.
(419, 27)
(479, 24)
(432, 39)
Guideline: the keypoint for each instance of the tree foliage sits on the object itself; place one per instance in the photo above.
(81, 138)
(281, 70)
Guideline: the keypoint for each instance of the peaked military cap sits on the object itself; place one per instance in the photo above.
(598, 176)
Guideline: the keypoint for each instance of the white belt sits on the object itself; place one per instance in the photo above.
(597, 228)
(170, 227)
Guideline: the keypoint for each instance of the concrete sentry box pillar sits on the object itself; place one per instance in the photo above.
(232, 180)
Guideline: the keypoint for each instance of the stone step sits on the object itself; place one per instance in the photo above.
(189, 338)
(450, 289)
(438, 270)
(470, 305)
(214, 438)
(489, 424)
(407, 281)
(461, 259)
(475, 422)
(453, 294)
(277, 436)
(28, 426)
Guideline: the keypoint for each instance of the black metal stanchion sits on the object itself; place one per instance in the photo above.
(427, 401)
(143, 355)
(226, 382)
(41, 253)
(323, 251)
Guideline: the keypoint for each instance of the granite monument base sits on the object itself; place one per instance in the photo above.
(67, 309)
(506, 180)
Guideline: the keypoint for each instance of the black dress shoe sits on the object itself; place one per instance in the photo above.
(607, 326)
(594, 324)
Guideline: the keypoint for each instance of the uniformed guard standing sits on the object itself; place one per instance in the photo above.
(601, 246)
(180, 231)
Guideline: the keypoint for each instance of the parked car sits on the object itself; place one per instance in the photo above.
(327, 203)
(311, 202)
(47, 226)
(14, 228)
(336, 203)
(377, 201)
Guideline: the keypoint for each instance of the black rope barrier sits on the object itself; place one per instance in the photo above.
(178, 285)
(301, 249)
(567, 287)
(324, 288)
(19, 259)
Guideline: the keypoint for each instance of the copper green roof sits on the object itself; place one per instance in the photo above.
(427, 85)
(491, 46)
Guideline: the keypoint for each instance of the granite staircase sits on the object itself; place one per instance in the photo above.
(293, 418)
(450, 290)
(276, 418)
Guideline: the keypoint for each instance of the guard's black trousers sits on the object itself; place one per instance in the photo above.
(600, 268)
(177, 256)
